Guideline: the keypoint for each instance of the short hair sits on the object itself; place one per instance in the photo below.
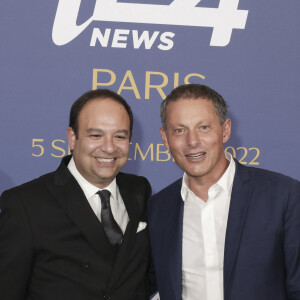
(96, 94)
(195, 91)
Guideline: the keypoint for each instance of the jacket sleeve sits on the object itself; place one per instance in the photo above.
(15, 247)
(292, 242)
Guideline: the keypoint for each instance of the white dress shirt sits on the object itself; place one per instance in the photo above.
(116, 202)
(204, 229)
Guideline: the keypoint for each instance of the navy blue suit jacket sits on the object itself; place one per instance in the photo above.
(262, 246)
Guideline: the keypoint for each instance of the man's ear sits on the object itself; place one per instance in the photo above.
(226, 130)
(71, 138)
(164, 137)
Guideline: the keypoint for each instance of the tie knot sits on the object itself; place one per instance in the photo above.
(104, 196)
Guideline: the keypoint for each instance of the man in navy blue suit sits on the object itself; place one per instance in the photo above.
(223, 231)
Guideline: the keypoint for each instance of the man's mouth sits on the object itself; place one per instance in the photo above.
(196, 155)
(105, 160)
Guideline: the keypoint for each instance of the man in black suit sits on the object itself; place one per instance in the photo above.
(79, 233)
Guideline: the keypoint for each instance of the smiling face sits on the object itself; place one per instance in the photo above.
(195, 137)
(101, 147)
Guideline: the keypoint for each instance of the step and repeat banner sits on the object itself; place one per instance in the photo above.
(54, 51)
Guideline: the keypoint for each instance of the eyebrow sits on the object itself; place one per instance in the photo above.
(94, 130)
(199, 123)
(97, 130)
(125, 131)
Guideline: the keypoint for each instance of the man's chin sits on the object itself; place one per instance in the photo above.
(196, 173)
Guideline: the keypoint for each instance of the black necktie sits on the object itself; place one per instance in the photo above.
(112, 229)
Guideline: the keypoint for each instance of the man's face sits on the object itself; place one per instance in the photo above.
(195, 137)
(102, 145)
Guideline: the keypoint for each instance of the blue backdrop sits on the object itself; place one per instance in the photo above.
(54, 51)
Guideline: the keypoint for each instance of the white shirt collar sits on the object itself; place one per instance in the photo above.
(225, 182)
(88, 188)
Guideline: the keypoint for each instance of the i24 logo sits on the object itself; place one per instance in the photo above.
(222, 19)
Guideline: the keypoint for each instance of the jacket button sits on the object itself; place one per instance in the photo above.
(85, 264)
(106, 297)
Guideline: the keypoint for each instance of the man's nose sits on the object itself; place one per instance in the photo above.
(108, 145)
(193, 138)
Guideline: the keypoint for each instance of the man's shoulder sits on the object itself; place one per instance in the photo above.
(30, 194)
(39, 184)
(131, 178)
(133, 183)
(163, 202)
(263, 176)
(171, 188)
(35, 185)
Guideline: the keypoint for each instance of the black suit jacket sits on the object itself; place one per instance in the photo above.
(53, 247)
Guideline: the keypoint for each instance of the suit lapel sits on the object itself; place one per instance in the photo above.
(132, 203)
(130, 197)
(71, 198)
(239, 203)
(173, 222)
